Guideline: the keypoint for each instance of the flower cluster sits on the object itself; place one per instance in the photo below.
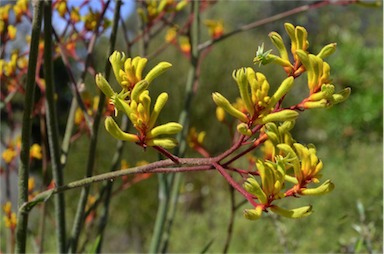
(153, 9)
(10, 217)
(287, 168)
(321, 91)
(255, 106)
(134, 100)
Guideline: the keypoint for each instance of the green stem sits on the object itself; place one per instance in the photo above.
(175, 179)
(68, 133)
(22, 222)
(161, 214)
(52, 127)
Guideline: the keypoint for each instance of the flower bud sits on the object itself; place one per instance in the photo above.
(240, 76)
(220, 114)
(277, 40)
(159, 104)
(315, 104)
(283, 89)
(301, 37)
(341, 96)
(283, 115)
(242, 128)
(253, 214)
(117, 60)
(104, 86)
(157, 71)
(112, 127)
(253, 187)
(325, 188)
(327, 50)
(168, 128)
(167, 143)
(222, 102)
(180, 5)
(140, 87)
(293, 213)
(139, 64)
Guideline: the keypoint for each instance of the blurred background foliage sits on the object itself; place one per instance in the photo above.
(348, 137)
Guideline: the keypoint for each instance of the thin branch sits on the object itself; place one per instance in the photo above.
(270, 19)
(22, 223)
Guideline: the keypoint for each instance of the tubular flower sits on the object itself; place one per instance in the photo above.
(306, 169)
(128, 72)
(322, 93)
(144, 121)
(255, 106)
(135, 102)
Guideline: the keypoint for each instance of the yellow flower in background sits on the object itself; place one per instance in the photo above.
(4, 12)
(10, 217)
(35, 152)
(7, 207)
(135, 102)
(75, 14)
(8, 155)
(215, 28)
(12, 32)
(31, 184)
(61, 7)
(171, 34)
(195, 138)
(184, 44)
(20, 8)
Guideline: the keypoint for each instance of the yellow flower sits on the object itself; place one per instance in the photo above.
(61, 7)
(185, 46)
(12, 32)
(10, 218)
(215, 28)
(8, 155)
(195, 138)
(7, 207)
(20, 8)
(35, 152)
(10, 221)
(171, 34)
(75, 14)
(31, 184)
(4, 12)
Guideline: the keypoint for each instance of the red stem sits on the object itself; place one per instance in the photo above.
(233, 183)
